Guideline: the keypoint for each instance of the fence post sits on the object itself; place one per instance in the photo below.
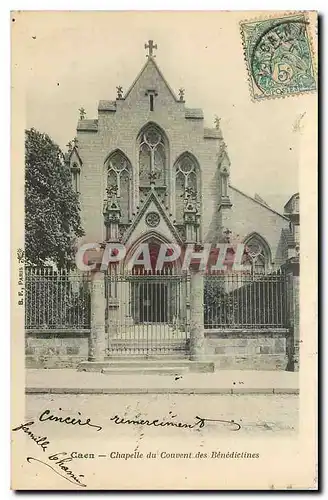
(97, 346)
(196, 315)
(292, 269)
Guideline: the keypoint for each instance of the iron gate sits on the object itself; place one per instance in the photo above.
(147, 315)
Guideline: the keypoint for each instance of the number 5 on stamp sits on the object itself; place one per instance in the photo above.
(279, 56)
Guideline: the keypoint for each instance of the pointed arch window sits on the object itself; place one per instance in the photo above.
(75, 177)
(152, 157)
(119, 182)
(258, 255)
(187, 184)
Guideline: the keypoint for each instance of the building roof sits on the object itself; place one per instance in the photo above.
(257, 201)
(290, 199)
(260, 199)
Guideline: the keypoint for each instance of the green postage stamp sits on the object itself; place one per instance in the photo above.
(278, 56)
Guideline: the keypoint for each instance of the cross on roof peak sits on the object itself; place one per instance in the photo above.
(150, 46)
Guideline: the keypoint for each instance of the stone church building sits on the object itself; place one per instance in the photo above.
(150, 153)
(147, 170)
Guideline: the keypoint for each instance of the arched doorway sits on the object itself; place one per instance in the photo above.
(154, 293)
(149, 315)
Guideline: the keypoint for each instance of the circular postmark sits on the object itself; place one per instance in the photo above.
(280, 57)
(152, 219)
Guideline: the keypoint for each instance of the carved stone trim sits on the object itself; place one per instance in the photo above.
(152, 219)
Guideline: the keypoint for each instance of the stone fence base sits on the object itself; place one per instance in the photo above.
(247, 350)
(56, 349)
(230, 350)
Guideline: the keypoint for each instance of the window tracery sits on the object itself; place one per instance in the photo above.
(257, 259)
(152, 157)
(186, 185)
(119, 178)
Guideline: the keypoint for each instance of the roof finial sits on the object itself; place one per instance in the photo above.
(82, 113)
(217, 121)
(150, 46)
(119, 92)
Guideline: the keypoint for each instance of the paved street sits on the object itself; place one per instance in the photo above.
(257, 414)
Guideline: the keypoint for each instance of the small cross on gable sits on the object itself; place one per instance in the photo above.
(150, 46)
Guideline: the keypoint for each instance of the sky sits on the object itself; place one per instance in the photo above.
(76, 59)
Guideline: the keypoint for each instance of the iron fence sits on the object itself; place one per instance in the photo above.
(246, 301)
(56, 300)
(150, 313)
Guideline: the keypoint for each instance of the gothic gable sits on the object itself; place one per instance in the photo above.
(152, 216)
(72, 157)
(150, 81)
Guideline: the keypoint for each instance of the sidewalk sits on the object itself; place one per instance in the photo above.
(64, 381)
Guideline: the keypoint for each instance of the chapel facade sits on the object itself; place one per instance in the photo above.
(147, 170)
(147, 167)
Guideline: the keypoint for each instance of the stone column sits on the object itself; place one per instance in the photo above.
(97, 346)
(196, 315)
(292, 269)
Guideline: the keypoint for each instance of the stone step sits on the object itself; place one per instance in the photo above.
(179, 355)
(151, 339)
(144, 370)
(141, 364)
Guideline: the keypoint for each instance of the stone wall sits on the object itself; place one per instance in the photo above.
(247, 350)
(230, 351)
(56, 349)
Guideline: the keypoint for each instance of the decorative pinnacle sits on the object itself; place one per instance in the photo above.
(181, 94)
(119, 92)
(82, 113)
(217, 121)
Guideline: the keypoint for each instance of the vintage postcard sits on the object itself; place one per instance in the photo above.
(164, 326)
